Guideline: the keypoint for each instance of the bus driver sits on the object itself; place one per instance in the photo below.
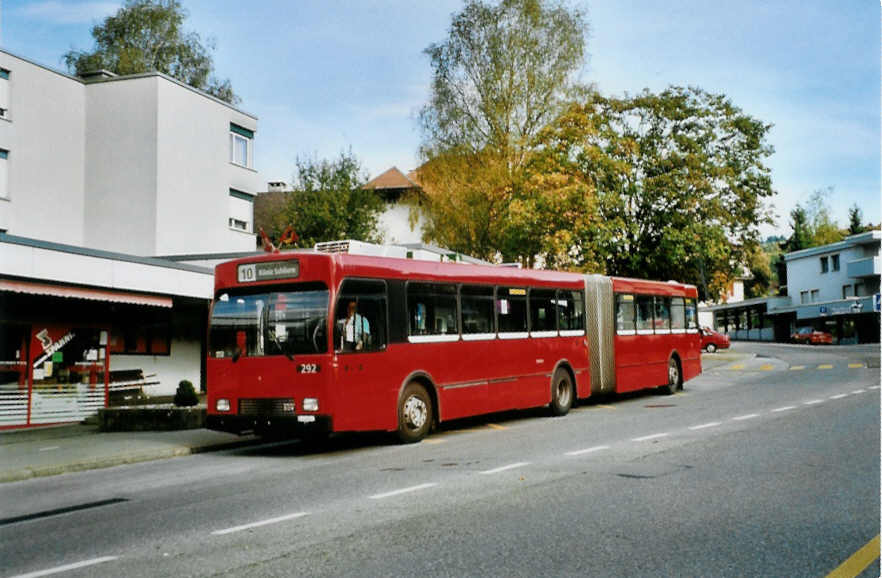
(356, 330)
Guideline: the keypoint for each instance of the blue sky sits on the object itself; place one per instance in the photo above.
(325, 76)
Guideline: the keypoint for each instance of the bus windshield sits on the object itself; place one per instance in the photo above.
(286, 323)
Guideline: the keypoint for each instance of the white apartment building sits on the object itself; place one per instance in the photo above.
(140, 164)
(833, 288)
(99, 176)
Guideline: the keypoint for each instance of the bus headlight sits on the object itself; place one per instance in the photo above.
(223, 405)
(310, 404)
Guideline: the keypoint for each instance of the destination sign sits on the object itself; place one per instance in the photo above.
(250, 272)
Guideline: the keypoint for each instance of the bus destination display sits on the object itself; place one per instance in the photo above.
(268, 271)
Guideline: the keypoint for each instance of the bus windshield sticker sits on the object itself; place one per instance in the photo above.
(251, 272)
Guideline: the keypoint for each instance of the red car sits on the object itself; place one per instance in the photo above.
(711, 340)
(812, 336)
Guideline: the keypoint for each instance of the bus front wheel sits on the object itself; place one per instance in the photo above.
(562, 393)
(414, 413)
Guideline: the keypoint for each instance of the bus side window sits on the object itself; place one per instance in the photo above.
(542, 310)
(571, 310)
(476, 302)
(431, 309)
(691, 314)
(360, 319)
(662, 314)
(678, 314)
(644, 313)
(511, 310)
(624, 314)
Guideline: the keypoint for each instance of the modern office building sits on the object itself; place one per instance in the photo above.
(100, 176)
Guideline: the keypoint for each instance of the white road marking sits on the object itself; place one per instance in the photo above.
(839, 396)
(813, 401)
(402, 491)
(50, 448)
(785, 408)
(258, 524)
(873, 387)
(504, 468)
(706, 425)
(650, 437)
(66, 567)
(743, 417)
(587, 450)
(859, 391)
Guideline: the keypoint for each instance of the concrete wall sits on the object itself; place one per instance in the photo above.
(44, 134)
(196, 175)
(121, 175)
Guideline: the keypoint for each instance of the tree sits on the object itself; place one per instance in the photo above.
(854, 220)
(802, 233)
(503, 73)
(824, 229)
(328, 203)
(679, 180)
(146, 36)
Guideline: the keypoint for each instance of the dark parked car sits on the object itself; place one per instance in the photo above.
(711, 340)
(811, 336)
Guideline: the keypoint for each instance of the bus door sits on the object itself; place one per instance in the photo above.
(364, 381)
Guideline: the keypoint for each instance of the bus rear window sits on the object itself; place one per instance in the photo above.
(274, 323)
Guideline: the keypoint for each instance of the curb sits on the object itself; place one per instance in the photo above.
(118, 460)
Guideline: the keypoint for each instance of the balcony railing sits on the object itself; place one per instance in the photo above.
(867, 267)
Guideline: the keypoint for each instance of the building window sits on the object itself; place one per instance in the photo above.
(241, 152)
(803, 297)
(847, 291)
(824, 265)
(834, 262)
(4, 174)
(815, 295)
(4, 93)
(238, 224)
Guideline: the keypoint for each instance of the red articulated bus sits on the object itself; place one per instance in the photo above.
(339, 342)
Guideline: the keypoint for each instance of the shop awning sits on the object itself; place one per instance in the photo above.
(112, 295)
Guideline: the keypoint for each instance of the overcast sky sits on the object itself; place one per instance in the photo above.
(329, 75)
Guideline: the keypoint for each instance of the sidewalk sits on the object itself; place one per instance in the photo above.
(56, 450)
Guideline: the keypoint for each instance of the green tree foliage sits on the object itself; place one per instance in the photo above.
(801, 238)
(763, 279)
(678, 177)
(504, 72)
(329, 203)
(824, 229)
(146, 36)
(855, 216)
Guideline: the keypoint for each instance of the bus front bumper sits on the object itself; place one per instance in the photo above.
(264, 426)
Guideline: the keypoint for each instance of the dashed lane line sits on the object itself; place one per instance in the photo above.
(873, 387)
(859, 391)
(260, 523)
(403, 491)
(505, 468)
(68, 567)
(785, 408)
(797, 367)
(825, 366)
(839, 396)
(650, 437)
(496, 426)
(813, 401)
(587, 450)
(767, 367)
(744, 417)
(706, 425)
(855, 365)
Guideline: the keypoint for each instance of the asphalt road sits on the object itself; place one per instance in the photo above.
(765, 467)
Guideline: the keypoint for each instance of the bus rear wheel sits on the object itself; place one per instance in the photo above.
(562, 393)
(674, 377)
(414, 413)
